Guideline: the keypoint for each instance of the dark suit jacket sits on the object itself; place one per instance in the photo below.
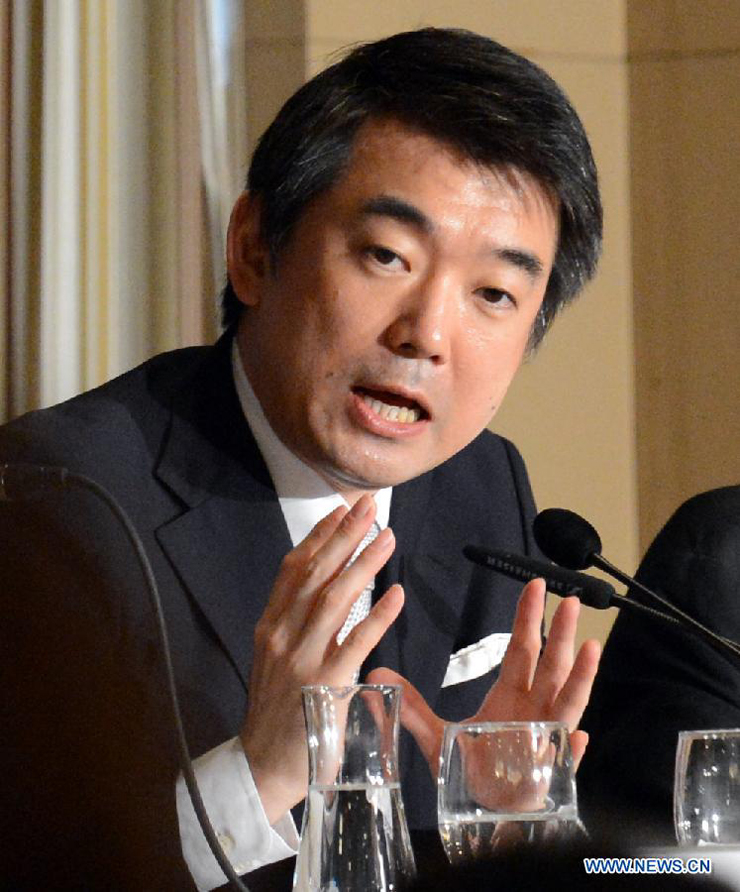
(89, 724)
(656, 679)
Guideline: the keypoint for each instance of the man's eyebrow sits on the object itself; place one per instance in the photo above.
(398, 209)
(530, 263)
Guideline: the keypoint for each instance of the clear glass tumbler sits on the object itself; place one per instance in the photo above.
(706, 792)
(354, 836)
(505, 784)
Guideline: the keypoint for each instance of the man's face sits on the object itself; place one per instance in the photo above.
(400, 308)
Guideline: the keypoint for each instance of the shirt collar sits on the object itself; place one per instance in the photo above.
(305, 497)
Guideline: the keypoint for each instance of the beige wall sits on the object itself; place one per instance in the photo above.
(571, 412)
(685, 97)
(276, 57)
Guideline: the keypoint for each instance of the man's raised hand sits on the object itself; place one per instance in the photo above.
(552, 687)
(295, 644)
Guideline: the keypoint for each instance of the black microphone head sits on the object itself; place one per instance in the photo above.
(566, 538)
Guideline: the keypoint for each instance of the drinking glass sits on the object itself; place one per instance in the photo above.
(706, 792)
(354, 836)
(505, 784)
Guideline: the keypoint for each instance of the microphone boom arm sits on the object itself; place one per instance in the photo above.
(602, 563)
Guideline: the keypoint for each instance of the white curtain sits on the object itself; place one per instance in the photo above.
(222, 100)
(93, 245)
(125, 149)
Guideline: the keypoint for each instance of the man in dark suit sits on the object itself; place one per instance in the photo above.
(414, 218)
(657, 679)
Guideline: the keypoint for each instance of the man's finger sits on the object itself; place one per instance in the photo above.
(556, 662)
(285, 584)
(578, 744)
(349, 656)
(330, 608)
(573, 696)
(311, 569)
(520, 660)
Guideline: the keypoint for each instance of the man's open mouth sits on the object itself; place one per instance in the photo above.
(392, 406)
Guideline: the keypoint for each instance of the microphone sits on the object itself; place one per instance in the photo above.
(21, 482)
(588, 589)
(572, 542)
(566, 538)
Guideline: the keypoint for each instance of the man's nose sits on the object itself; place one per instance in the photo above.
(424, 322)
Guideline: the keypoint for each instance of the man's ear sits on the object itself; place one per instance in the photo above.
(247, 256)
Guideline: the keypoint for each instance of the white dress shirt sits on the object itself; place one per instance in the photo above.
(223, 774)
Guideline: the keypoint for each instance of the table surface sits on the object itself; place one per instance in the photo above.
(431, 861)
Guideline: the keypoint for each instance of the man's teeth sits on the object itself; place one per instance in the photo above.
(392, 413)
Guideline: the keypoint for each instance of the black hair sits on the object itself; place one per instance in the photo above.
(490, 104)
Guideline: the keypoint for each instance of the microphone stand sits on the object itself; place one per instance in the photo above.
(679, 616)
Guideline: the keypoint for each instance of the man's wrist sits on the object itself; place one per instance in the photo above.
(276, 794)
(236, 813)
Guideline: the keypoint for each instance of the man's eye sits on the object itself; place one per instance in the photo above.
(383, 256)
(497, 298)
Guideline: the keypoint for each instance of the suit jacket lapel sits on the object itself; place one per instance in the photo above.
(227, 545)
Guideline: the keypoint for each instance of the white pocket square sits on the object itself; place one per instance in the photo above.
(476, 659)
